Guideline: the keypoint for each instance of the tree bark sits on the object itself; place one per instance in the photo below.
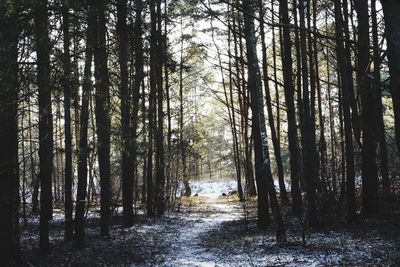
(45, 122)
(369, 114)
(346, 88)
(137, 80)
(275, 141)
(391, 11)
(127, 167)
(383, 157)
(102, 110)
(260, 137)
(83, 153)
(9, 174)
(290, 109)
(67, 126)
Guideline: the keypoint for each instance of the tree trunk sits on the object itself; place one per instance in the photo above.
(391, 11)
(102, 110)
(84, 123)
(383, 157)
(290, 109)
(137, 80)
(275, 141)
(260, 137)
(45, 122)
(308, 135)
(369, 114)
(9, 174)
(160, 157)
(127, 167)
(67, 126)
(344, 68)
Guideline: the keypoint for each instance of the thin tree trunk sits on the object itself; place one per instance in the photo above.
(83, 152)
(137, 81)
(188, 190)
(127, 167)
(275, 141)
(45, 122)
(160, 157)
(383, 157)
(67, 126)
(369, 114)
(290, 109)
(259, 133)
(344, 69)
(308, 134)
(102, 111)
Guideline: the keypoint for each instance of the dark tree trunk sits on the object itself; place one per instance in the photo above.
(9, 174)
(84, 123)
(45, 122)
(346, 88)
(151, 186)
(188, 191)
(391, 10)
(275, 141)
(137, 81)
(369, 114)
(308, 135)
(160, 160)
(355, 118)
(127, 167)
(383, 157)
(35, 178)
(260, 137)
(290, 109)
(67, 126)
(102, 110)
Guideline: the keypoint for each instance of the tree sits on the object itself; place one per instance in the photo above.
(275, 140)
(369, 114)
(137, 80)
(67, 124)
(45, 121)
(308, 135)
(346, 88)
(160, 160)
(83, 153)
(290, 109)
(9, 174)
(391, 10)
(102, 116)
(127, 167)
(264, 179)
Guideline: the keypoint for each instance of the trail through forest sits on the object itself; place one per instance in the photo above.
(209, 230)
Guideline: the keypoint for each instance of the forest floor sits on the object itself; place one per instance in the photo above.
(211, 230)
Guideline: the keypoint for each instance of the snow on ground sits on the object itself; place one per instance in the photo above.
(213, 188)
(209, 231)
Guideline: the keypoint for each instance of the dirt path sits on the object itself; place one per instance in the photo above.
(207, 216)
(209, 231)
